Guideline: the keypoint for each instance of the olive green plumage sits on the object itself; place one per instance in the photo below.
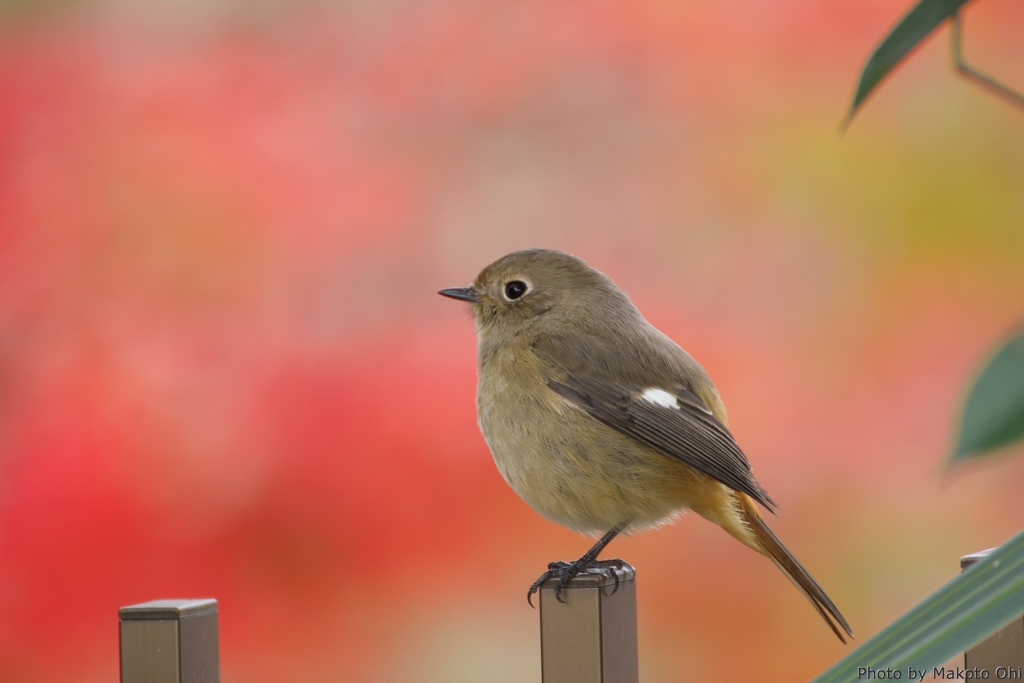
(598, 420)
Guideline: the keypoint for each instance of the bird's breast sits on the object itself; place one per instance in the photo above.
(566, 465)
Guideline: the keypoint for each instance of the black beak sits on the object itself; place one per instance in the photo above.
(462, 293)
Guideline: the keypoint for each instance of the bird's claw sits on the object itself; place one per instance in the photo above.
(567, 571)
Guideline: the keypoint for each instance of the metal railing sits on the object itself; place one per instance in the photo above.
(589, 637)
(1002, 653)
(170, 641)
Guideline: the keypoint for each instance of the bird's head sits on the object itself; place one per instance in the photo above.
(540, 287)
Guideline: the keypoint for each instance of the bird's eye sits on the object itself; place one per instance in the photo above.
(515, 289)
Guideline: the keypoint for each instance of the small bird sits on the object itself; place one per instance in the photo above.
(603, 424)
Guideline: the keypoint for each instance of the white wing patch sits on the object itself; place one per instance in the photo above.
(660, 397)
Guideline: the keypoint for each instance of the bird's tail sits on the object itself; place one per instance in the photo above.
(772, 547)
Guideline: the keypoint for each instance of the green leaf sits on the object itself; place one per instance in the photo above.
(994, 413)
(911, 30)
(949, 621)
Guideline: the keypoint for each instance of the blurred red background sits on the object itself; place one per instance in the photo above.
(224, 370)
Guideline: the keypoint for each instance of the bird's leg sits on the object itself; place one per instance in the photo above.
(566, 571)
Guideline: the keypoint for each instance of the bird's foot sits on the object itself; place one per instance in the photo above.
(567, 571)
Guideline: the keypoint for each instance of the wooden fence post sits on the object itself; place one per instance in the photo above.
(591, 637)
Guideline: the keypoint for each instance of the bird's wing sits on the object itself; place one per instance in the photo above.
(663, 415)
